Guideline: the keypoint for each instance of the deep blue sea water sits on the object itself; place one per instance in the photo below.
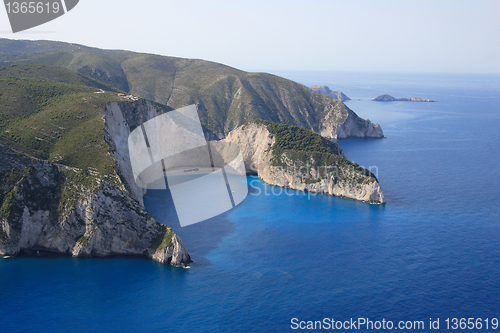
(432, 252)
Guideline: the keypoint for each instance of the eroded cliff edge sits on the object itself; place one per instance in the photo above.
(325, 90)
(50, 207)
(290, 156)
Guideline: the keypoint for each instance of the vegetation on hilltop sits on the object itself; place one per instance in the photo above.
(299, 144)
(53, 114)
(226, 97)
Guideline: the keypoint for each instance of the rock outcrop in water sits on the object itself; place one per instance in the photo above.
(289, 156)
(55, 208)
(389, 98)
(324, 90)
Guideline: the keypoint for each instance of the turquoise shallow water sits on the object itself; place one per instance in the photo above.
(432, 251)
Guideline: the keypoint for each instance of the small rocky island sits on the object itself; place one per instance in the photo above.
(324, 90)
(389, 98)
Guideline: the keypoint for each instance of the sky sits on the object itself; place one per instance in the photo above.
(321, 35)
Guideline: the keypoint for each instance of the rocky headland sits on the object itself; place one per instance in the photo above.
(325, 90)
(292, 157)
(55, 208)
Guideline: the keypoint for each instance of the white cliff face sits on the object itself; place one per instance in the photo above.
(341, 123)
(120, 120)
(49, 207)
(341, 180)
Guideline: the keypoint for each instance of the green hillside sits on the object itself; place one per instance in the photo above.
(300, 144)
(226, 97)
(56, 121)
(52, 73)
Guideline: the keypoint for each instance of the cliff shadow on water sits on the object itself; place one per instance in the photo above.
(200, 238)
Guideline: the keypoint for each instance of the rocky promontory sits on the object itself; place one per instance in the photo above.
(46, 207)
(50, 207)
(325, 90)
(290, 156)
(389, 98)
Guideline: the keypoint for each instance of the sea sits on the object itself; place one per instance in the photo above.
(282, 261)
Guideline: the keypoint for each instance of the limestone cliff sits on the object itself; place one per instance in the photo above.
(275, 153)
(225, 97)
(55, 208)
(46, 206)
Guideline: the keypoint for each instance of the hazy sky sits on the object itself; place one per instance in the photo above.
(371, 35)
